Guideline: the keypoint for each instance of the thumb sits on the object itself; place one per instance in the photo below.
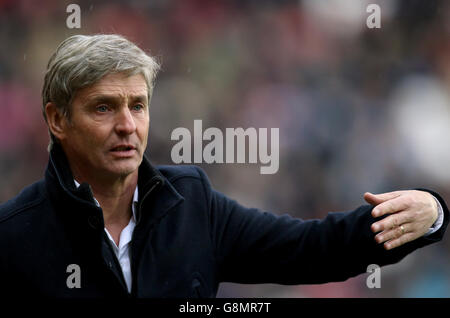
(376, 199)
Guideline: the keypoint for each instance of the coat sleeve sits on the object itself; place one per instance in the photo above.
(252, 246)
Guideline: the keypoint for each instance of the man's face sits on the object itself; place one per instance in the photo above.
(108, 127)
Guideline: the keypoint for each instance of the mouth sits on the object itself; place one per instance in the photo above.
(123, 150)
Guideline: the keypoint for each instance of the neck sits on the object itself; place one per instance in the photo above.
(115, 195)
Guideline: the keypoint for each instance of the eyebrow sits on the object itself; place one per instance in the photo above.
(113, 99)
(140, 98)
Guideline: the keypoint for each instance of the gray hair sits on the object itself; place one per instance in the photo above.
(83, 60)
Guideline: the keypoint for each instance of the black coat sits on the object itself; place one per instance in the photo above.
(188, 238)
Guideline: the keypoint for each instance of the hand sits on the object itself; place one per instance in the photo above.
(412, 213)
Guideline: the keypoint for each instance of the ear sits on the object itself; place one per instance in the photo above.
(57, 122)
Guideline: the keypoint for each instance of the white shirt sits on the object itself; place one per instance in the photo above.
(440, 219)
(122, 251)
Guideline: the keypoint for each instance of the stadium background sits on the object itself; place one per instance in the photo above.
(358, 109)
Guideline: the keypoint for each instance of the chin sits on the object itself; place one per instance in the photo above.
(121, 167)
(124, 170)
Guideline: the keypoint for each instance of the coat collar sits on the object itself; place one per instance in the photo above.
(156, 194)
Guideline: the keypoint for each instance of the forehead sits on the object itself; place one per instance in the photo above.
(115, 85)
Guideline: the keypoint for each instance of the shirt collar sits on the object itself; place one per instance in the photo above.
(133, 204)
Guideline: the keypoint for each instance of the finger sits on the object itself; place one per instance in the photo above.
(394, 233)
(395, 205)
(392, 221)
(376, 199)
(408, 237)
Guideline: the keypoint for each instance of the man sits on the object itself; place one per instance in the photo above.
(105, 222)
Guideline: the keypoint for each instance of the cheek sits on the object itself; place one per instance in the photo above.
(90, 136)
(142, 128)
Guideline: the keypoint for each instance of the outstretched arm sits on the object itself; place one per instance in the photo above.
(253, 246)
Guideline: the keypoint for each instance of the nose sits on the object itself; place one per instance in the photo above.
(125, 124)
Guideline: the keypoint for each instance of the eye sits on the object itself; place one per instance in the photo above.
(138, 107)
(102, 108)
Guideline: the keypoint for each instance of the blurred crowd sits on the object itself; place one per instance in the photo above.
(358, 109)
